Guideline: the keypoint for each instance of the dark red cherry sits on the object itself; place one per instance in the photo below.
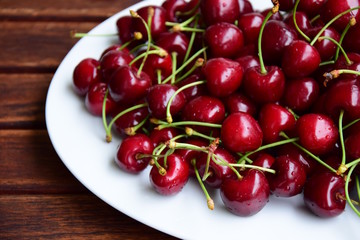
(351, 41)
(334, 7)
(300, 94)
(324, 194)
(86, 73)
(95, 97)
(286, 5)
(352, 145)
(194, 91)
(158, 98)
(238, 102)
(250, 24)
(175, 178)
(300, 59)
(352, 64)
(264, 88)
(174, 42)
(317, 133)
(276, 36)
(240, 132)
(223, 76)
(117, 47)
(311, 7)
(215, 11)
(128, 156)
(112, 60)
(302, 21)
(276, 16)
(289, 178)
(247, 196)
(126, 86)
(157, 21)
(245, 6)
(224, 39)
(248, 61)
(264, 160)
(163, 135)
(325, 47)
(273, 119)
(218, 173)
(172, 7)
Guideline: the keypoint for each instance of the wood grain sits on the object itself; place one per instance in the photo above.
(67, 217)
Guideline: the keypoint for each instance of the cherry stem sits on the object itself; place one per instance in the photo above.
(160, 52)
(183, 24)
(177, 145)
(282, 134)
(348, 61)
(246, 159)
(295, 23)
(314, 19)
(138, 47)
(341, 116)
(168, 113)
(293, 113)
(351, 123)
(191, 132)
(132, 130)
(220, 161)
(189, 12)
(173, 75)
(341, 40)
(74, 34)
(330, 22)
(326, 63)
(350, 202)
(336, 73)
(143, 155)
(184, 65)
(182, 123)
(199, 62)
(158, 74)
(189, 29)
(192, 40)
(357, 186)
(250, 166)
(352, 163)
(270, 145)
(210, 202)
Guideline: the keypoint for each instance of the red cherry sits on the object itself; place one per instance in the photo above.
(85, 74)
(247, 196)
(286, 5)
(245, 7)
(157, 21)
(324, 194)
(172, 7)
(238, 102)
(125, 29)
(163, 135)
(174, 42)
(352, 145)
(128, 156)
(248, 61)
(240, 132)
(224, 39)
(195, 91)
(302, 21)
(250, 24)
(223, 76)
(317, 133)
(351, 41)
(95, 97)
(175, 178)
(264, 160)
(112, 60)
(311, 7)
(326, 48)
(215, 11)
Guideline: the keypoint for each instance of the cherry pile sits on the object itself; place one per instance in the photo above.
(250, 103)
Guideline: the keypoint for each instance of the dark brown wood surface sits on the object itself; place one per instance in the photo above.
(39, 197)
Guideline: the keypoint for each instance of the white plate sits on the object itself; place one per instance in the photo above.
(78, 138)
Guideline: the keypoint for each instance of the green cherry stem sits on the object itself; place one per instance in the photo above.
(357, 186)
(74, 34)
(351, 123)
(132, 130)
(158, 74)
(199, 62)
(350, 24)
(348, 199)
(219, 160)
(184, 123)
(336, 73)
(168, 113)
(295, 23)
(183, 24)
(191, 132)
(348, 61)
(243, 165)
(173, 58)
(192, 40)
(341, 135)
(312, 21)
(160, 52)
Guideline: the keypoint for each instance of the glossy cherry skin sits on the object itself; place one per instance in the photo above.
(321, 194)
(223, 76)
(300, 59)
(273, 119)
(85, 74)
(224, 39)
(248, 61)
(245, 7)
(334, 7)
(264, 160)
(174, 42)
(125, 30)
(240, 132)
(264, 88)
(302, 21)
(317, 133)
(158, 98)
(238, 102)
(177, 175)
(286, 5)
(163, 135)
(112, 60)
(247, 196)
(325, 47)
(172, 7)
(250, 24)
(215, 11)
(276, 36)
(129, 150)
(116, 47)
(300, 94)
(126, 87)
(289, 178)
(95, 97)
(194, 91)
(352, 145)
(351, 41)
(157, 21)
(311, 7)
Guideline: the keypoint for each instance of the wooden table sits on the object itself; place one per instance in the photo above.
(39, 198)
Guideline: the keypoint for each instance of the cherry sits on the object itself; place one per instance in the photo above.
(240, 132)
(172, 7)
(158, 19)
(245, 7)
(246, 196)
(317, 133)
(112, 60)
(324, 194)
(264, 160)
(276, 16)
(85, 74)
(311, 7)
(300, 59)
(129, 155)
(273, 119)
(289, 178)
(286, 5)
(300, 94)
(95, 97)
(223, 76)
(224, 39)
(194, 91)
(175, 178)
(302, 21)
(352, 145)
(215, 11)
(117, 47)
(163, 135)
(250, 24)
(248, 61)
(351, 41)
(325, 47)
(238, 102)
(174, 42)
(158, 97)
(126, 87)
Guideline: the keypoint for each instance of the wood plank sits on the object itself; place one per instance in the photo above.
(23, 100)
(67, 217)
(36, 46)
(65, 10)
(29, 164)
